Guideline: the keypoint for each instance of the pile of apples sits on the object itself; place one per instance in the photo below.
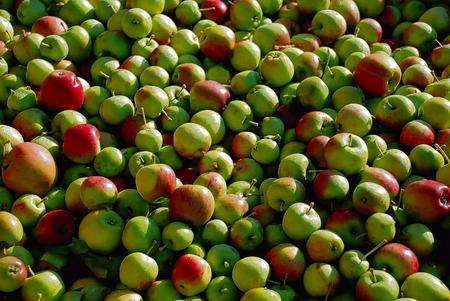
(220, 150)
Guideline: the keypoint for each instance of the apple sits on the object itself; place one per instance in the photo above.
(101, 230)
(321, 279)
(377, 74)
(347, 224)
(423, 285)
(49, 25)
(89, 137)
(261, 293)
(222, 258)
(348, 9)
(217, 42)
(45, 284)
(191, 275)
(397, 259)
(395, 162)
(98, 192)
(369, 198)
(380, 227)
(377, 285)
(324, 246)
(222, 288)
(250, 272)
(433, 205)
(347, 153)
(192, 203)
(417, 132)
(191, 140)
(328, 25)
(420, 35)
(287, 262)
(162, 185)
(138, 271)
(177, 236)
(246, 234)
(29, 168)
(330, 184)
(312, 124)
(14, 273)
(61, 90)
(162, 290)
(423, 244)
(55, 227)
(230, 207)
(300, 221)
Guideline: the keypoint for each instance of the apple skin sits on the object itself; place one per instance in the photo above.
(61, 90)
(218, 14)
(45, 285)
(192, 203)
(321, 279)
(49, 25)
(349, 147)
(377, 74)
(81, 143)
(376, 285)
(191, 275)
(348, 225)
(162, 183)
(131, 127)
(381, 177)
(427, 200)
(417, 132)
(217, 42)
(287, 262)
(397, 259)
(55, 227)
(250, 272)
(13, 273)
(208, 95)
(29, 168)
(424, 286)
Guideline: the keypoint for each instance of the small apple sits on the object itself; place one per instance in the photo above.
(191, 275)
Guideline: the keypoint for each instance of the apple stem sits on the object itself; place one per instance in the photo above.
(372, 272)
(356, 32)
(30, 270)
(437, 42)
(379, 245)
(143, 115)
(328, 293)
(252, 184)
(350, 139)
(274, 282)
(4, 251)
(39, 295)
(278, 47)
(226, 264)
(360, 235)
(223, 290)
(275, 137)
(400, 198)
(434, 76)
(311, 206)
(178, 94)
(150, 249)
(330, 71)
(104, 74)
(208, 9)
(251, 214)
(379, 149)
(215, 165)
(162, 248)
(254, 123)
(439, 148)
(285, 279)
(45, 44)
(166, 115)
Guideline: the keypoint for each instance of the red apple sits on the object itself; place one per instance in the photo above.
(427, 200)
(378, 74)
(81, 143)
(192, 203)
(155, 181)
(131, 127)
(55, 227)
(29, 168)
(287, 262)
(191, 274)
(215, 10)
(208, 95)
(61, 90)
(381, 177)
(417, 132)
(314, 150)
(396, 259)
(49, 25)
